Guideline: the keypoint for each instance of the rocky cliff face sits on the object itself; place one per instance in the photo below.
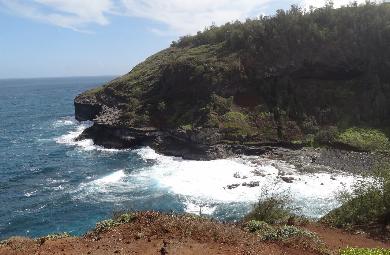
(212, 95)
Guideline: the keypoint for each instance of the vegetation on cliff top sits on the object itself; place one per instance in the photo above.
(275, 78)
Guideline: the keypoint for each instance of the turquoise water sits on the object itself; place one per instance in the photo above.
(50, 183)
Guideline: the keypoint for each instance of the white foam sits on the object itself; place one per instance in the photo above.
(68, 121)
(105, 189)
(112, 178)
(202, 186)
(86, 144)
(204, 183)
(195, 207)
(70, 138)
(29, 194)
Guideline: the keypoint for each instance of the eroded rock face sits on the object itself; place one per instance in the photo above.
(86, 108)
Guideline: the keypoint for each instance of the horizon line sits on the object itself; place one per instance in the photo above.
(61, 77)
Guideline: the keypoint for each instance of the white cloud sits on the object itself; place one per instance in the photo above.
(337, 3)
(189, 16)
(73, 14)
(177, 17)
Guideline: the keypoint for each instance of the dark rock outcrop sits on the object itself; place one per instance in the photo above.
(86, 108)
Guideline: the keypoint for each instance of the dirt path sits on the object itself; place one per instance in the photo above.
(337, 238)
(155, 233)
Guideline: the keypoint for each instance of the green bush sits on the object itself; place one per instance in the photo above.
(288, 232)
(365, 139)
(258, 226)
(368, 204)
(277, 233)
(288, 235)
(235, 120)
(106, 225)
(272, 210)
(125, 218)
(364, 251)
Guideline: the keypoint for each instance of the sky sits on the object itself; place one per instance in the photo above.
(64, 38)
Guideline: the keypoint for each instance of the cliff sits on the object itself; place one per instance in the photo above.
(293, 79)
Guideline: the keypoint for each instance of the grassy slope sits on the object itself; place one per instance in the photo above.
(284, 78)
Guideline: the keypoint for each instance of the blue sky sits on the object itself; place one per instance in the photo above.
(59, 38)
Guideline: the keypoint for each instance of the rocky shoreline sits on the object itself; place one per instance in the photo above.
(207, 144)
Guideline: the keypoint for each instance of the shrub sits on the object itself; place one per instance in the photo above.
(364, 251)
(287, 232)
(106, 225)
(125, 218)
(258, 226)
(288, 235)
(187, 127)
(368, 204)
(51, 237)
(272, 210)
(365, 139)
(235, 120)
(220, 104)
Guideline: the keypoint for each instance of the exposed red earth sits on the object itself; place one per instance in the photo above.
(156, 233)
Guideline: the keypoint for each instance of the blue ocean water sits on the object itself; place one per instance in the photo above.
(38, 174)
(50, 183)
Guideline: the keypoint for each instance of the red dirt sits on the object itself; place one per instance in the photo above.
(155, 233)
(337, 238)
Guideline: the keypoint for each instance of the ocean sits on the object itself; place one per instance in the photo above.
(50, 183)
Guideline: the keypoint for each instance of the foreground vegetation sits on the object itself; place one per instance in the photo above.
(274, 219)
(357, 251)
(367, 207)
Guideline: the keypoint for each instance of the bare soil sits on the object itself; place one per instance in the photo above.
(156, 233)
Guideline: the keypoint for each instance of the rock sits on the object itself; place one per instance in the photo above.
(252, 184)
(236, 175)
(163, 251)
(233, 186)
(258, 173)
(287, 179)
(86, 108)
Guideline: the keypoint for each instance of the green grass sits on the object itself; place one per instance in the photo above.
(364, 251)
(94, 91)
(365, 139)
